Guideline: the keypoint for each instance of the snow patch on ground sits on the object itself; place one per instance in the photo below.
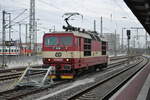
(75, 84)
(21, 61)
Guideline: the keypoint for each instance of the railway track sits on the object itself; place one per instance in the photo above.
(10, 76)
(16, 73)
(23, 68)
(18, 93)
(104, 89)
(120, 57)
(15, 94)
(7, 74)
(10, 70)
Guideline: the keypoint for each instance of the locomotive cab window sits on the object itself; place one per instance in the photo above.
(87, 47)
(58, 40)
(50, 41)
(65, 40)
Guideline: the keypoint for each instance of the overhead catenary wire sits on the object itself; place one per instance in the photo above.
(50, 4)
(120, 7)
(19, 15)
(20, 20)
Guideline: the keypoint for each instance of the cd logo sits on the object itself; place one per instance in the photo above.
(58, 54)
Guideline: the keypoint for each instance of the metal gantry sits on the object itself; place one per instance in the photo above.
(4, 27)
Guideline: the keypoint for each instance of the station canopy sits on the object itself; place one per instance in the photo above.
(141, 9)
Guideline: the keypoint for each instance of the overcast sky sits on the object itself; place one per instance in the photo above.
(50, 12)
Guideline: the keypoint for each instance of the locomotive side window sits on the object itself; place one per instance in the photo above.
(103, 48)
(87, 47)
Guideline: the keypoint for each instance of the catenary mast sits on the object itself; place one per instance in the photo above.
(32, 33)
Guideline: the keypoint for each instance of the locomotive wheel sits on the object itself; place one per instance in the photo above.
(105, 65)
(98, 68)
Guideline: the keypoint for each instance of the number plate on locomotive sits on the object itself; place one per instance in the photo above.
(58, 59)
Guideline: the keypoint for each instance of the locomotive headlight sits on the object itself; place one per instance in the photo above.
(67, 59)
(49, 59)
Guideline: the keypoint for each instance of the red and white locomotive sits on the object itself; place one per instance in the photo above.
(72, 51)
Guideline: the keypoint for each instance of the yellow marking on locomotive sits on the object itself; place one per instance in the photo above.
(67, 76)
(52, 76)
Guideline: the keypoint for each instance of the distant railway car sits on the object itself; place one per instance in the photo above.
(25, 51)
(12, 51)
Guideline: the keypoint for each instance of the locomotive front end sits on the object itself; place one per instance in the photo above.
(58, 52)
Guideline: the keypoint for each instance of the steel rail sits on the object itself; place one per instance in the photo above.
(114, 90)
(23, 68)
(19, 95)
(18, 74)
(12, 75)
(94, 86)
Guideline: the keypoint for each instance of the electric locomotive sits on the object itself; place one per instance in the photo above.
(73, 50)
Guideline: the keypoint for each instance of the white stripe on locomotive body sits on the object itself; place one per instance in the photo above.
(70, 54)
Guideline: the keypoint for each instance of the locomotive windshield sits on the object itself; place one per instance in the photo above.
(60, 40)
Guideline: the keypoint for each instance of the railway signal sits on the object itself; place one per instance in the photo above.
(129, 36)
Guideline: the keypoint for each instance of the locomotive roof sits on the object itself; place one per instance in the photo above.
(76, 33)
(81, 34)
(103, 39)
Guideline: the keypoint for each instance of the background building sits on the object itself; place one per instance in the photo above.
(113, 42)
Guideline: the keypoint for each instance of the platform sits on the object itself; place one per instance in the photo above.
(138, 88)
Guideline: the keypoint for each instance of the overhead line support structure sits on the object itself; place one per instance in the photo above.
(32, 32)
(3, 38)
(137, 28)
